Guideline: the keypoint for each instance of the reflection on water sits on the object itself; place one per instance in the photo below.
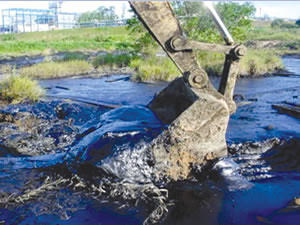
(292, 64)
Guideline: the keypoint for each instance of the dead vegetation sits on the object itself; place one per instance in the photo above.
(49, 70)
(16, 89)
(127, 194)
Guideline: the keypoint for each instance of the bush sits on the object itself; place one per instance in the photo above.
(48, 70)
(111, 60)
(8, 37)
(16, 89)
(211, 62)
(199, 25)
(71, 56)
(154, 68)
(260, 62)
(289, 26)
(144, 42)
(98, 15)
(255, 63)
(277, 23)
(292, 45)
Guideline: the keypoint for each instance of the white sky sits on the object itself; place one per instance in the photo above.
(282, 9)
(67, 6)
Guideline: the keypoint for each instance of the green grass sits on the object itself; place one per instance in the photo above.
(255, 63)
(50, 70)
(148, 67)
(113, 61)
(280, 34)
(260, 62)
(81, 39)
(263, 30)
(289, 38)
(211, 62)
(71, 56)
(154, 68)
(16, 89)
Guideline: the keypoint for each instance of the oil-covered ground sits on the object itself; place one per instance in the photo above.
(78, 157)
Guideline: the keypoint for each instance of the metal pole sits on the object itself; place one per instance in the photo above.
(10, 22)
(222, 28)
(3, 23)
(23, 18)
(17, 22)
(30, 22)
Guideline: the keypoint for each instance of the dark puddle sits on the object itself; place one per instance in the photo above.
(101, 175)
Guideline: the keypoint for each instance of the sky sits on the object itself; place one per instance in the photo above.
(280, 9)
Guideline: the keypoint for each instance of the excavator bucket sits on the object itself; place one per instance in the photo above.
(197, 114)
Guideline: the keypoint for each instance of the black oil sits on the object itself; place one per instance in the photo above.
(103, 174)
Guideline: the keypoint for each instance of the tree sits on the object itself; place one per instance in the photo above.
(102, 13)
(199, 25)
(237, 18)
(298, 22)
(144, 43)
(277, 23)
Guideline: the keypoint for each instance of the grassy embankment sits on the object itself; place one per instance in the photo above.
(285, 40)
(265, 45)
(61, 69)
(84, 39)
(261, 58)
(15, 89)
(71, 41)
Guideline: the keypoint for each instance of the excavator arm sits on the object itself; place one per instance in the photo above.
(162, 24)
(196, 112)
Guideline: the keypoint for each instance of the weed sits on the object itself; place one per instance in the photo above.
(111, 60)
(8, 37)
(16, 89)
(31, 43)
(71, 56)
(211, 62)
(260, 62)
(154, 68)
(6, 69)
(256, 62)
(48, 70)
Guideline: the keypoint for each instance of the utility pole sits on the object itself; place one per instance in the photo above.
(3, 22)
(23, 20)
(30, 22)
(123, 11)
(259, 12)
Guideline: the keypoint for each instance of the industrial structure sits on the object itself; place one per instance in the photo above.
(29, 20)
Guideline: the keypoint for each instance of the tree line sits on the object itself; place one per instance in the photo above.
(98, 15)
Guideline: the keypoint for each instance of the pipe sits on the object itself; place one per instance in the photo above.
(222, 28)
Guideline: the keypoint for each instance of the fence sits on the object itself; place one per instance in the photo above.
(17, 20)
(104, 23)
